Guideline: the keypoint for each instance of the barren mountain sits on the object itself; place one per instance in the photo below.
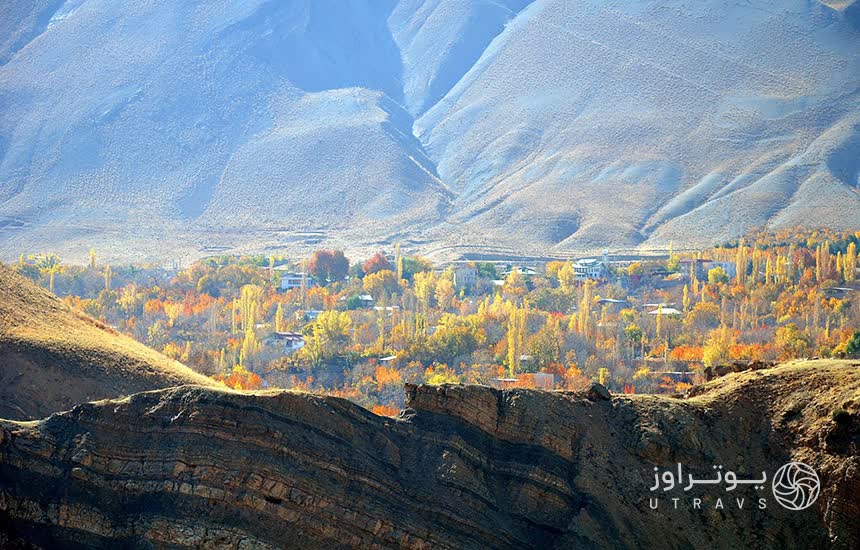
(519, 126)
(52, 358)
(462, 467)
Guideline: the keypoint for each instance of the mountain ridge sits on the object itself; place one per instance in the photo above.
(538, 127)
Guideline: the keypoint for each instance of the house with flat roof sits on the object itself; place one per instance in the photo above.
(290, 280)
(290, 341)
(465, 276)
(590, 268)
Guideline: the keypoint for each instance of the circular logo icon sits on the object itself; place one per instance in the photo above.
(796, 486)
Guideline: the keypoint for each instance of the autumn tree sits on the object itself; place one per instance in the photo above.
(380, 283)
(455, 339)
(250, 346)
(552, 268)
(566, 276)
(546, 345)
(635, 268)
(378, 262)
(249, 303)
(716, 350)
(849, 263)
(240, 378)
(673, 263)
(279, 319)
(515, 339)
(328, 266)
(444, 293)
(717, 276)
(424, 285)
(173, 310)
(792, 341)
(584, 322)
(128, 298)
(704, 316)
(515, 283)
(398, 261)
(329, 335)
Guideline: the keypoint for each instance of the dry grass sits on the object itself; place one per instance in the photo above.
(52, 357)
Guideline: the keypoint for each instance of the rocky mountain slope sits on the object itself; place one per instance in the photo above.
(538, 126)
(462, 467)
(52, 358)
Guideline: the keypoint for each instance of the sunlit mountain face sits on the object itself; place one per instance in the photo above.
(166, 129)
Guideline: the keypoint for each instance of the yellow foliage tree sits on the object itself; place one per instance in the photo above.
(516, 339)
(444, 293)
(566, 276)
(716, 350)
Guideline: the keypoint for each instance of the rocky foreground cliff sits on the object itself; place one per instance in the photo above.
(462, 467)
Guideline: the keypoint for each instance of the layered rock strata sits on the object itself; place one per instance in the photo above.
(462, 467)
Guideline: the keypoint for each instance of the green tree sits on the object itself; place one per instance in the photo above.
(412, 265)
(486, 270)
(852, 349)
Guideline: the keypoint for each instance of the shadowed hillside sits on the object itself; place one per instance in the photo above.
(462, 467)
(52, 358)
(455, 126)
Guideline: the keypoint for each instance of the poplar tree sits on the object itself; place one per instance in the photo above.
(849, 263)
(279, 319)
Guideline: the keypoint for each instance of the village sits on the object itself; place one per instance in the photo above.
(633, 323)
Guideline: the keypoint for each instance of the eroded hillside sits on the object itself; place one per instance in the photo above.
(462, 467)
(52, 358)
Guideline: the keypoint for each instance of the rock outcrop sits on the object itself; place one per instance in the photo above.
(461, 467)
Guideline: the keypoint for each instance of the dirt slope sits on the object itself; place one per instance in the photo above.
(462, 467)
(52, 358)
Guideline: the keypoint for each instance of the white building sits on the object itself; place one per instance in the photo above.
(292, 341)
(592, 268)
(294, 280)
